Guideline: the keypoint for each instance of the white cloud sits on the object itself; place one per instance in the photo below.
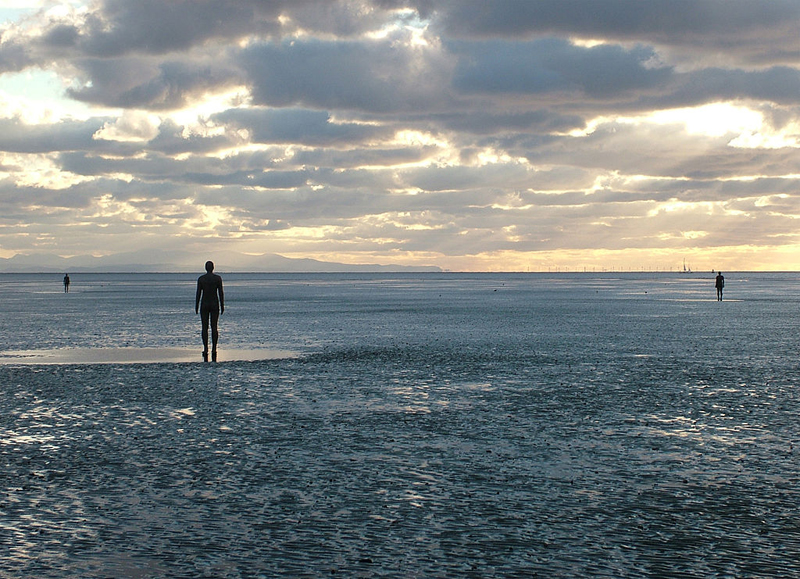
(130, 126)
(713, 120)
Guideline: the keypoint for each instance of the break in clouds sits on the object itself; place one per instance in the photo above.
(469, 134)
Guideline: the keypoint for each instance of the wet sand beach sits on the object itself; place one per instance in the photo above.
(418, 426)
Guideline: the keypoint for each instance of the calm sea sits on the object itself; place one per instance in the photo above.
(419, 425)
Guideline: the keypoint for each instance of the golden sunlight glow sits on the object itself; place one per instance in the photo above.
(694, 234)
(416, 29)
(688, 235)
(492, 157)
(209, 218)
(587, 42)
(107, 206)
(39, 171)
(591, 127)
(418, 138)
(713, 120)
(682, 206)
(406, 220)
(767, 200)
(209, 104)
(445, 155)
(245, 148)
(311, 233)
(599, 260)
(62, 11)
(511, 234)
(786, 137)
(131, 126)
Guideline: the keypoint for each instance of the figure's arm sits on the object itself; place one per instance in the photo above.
(221, 298)
(197, 297)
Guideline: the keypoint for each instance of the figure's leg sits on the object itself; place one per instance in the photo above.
(204, 315)
(214, 329)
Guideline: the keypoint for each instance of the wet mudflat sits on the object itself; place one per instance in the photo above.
(428, 426)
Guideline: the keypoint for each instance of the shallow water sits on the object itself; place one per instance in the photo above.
(607, 425)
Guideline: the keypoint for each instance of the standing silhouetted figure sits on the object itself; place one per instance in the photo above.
(66, 283)
(719, 284)
(209, 288)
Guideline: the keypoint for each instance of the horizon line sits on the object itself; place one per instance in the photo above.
(409, 270)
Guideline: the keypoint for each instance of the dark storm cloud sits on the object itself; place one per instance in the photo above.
(18, 137)
(554, 65)
(456, 178)
(61, 36)
(778, 84)
(14, 196)
(481, 122)
(160, 27)
(262, 179)
(172, 140)
(300, 126)
(146, 83)
(116, 28)
(364, 75)
(692, 33)
(358, 157)
(244, 169)
(673, 22)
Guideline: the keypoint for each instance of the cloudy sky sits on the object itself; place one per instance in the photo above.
(468, 134)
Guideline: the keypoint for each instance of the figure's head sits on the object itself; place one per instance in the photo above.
(209, 266)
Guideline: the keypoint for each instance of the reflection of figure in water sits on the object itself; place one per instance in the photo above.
(66, 283)
(719, 284)
(209, 287)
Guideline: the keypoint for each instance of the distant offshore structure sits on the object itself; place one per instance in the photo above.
(686, 269)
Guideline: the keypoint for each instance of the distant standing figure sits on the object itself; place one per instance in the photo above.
(209, 288)
(719, 284)
(66, 283)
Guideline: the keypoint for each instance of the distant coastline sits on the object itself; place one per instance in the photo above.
(269, 263)
(173, 262)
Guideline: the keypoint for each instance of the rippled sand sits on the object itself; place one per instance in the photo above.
(523, 435)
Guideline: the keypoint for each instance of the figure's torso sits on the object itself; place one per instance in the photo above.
(209, 284)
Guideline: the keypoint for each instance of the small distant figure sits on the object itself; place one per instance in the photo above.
(66, 283)
(719, 284)
(209, 288)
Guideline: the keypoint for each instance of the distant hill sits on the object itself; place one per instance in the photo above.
(150, 261)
